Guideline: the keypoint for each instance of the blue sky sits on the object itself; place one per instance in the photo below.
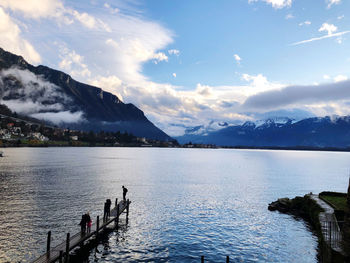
(191, 62)
(209, 32)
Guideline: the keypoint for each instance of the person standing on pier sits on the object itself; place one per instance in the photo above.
(109, 203)
(83, 224)
(125, 190)
(105, 211)
(88, 222)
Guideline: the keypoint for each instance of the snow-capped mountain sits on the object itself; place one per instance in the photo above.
(277, 132)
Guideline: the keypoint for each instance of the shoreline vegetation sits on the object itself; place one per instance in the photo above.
(309, 210)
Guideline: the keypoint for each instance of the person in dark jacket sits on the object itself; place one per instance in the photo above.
(109, 203)
(105, 211)
(83, 223)
(125, 190)
(88, 222)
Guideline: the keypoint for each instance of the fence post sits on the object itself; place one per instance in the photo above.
(60, 259)
(116, 201)
(227, 259)
(67, 248)
(202, 259)
(48, 241)
(330, 234)
(97, 225)
(127, 211)
(117, 218)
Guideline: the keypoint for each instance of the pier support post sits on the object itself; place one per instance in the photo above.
(97, 225)
(116, 201)
(330, 234)
(117, 218)
(202, 259)
(127, 211)
(48, 244)
(227, 259)
(60, 259)
(67, 248)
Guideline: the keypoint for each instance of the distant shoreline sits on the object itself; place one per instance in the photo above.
(194, 146)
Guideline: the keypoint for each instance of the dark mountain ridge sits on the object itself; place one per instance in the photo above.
(101, 110)
(310, 132)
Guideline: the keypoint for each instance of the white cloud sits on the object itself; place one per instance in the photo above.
(12, 41)
(34, 8)
(160, 56)
(289, 16)
(340, 17)
(258, 83)
(134, 42)
(277, 4)
(174, 75)
(111, 9)
(174, 52)
(59, 117)
(340, 78)
(299, 96)
(31, 94)
(332, 2)
(330, 28)
(11, 37)
(37, 9)
(237, 58)
(37, 97)
(204, 90)
(73, 63)
(325, 27)
(84, 18)
(305, 23)
(110, 84)
(326, 77)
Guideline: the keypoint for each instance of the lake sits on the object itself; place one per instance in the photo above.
(185, 202)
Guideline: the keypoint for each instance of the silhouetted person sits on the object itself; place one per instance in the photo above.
(88, 222)
(109, 203)
(125, 190)
(83, 223)
(105, 211)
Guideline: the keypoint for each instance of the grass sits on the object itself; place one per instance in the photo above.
(338, 202)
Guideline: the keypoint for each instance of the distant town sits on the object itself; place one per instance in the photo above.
(20, 131)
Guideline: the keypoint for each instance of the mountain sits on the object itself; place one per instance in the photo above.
(310, 132)
(52, 95)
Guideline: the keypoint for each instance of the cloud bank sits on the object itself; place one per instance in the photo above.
(294, 95)
(29, 94)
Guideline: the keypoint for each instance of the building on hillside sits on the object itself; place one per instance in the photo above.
(74, 138)
(143, 140)
(38, 136)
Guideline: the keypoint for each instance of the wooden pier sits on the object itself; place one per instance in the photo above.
(61, 252)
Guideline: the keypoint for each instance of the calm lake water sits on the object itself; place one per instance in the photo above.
(185, 202)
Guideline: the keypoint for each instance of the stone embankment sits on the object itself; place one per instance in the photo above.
(320, 216)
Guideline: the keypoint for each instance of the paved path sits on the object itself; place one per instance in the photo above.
(329, 226)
